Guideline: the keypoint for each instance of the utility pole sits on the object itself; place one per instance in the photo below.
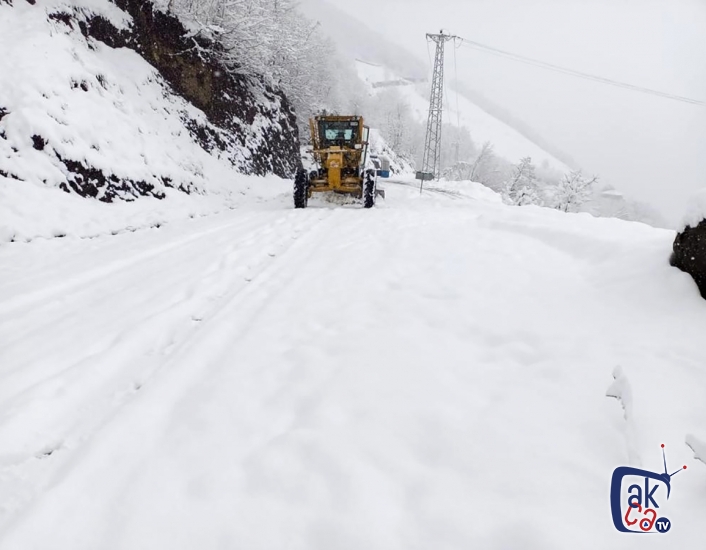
(432, 144)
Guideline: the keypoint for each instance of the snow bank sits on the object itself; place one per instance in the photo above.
(29, 210)
(466, 188)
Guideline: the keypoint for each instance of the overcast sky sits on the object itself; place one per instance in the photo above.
(654, 149)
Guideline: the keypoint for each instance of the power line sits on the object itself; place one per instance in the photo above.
(579, 74)
(458, 111)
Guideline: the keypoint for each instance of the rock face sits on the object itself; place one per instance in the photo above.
(689, 254)
(192, 68)
(118, 101)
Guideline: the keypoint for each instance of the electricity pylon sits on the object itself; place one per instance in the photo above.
(432, 144)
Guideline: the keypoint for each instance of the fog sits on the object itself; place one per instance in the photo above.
(653, 149)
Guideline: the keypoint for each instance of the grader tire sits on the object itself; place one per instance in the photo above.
(301, 189)
(369, 190)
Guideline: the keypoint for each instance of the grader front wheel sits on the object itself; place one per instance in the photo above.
(301, 189)
(369, 190)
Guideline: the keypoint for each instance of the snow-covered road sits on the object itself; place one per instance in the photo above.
(428, 374)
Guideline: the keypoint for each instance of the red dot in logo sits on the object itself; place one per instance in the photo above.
(663, 445)
(685, 466)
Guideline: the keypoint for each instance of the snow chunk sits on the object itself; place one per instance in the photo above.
(698, 446)
(620, 389)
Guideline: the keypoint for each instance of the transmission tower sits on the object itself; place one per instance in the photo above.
(432, 144)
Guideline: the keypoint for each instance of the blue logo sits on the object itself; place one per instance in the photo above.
(638, 497)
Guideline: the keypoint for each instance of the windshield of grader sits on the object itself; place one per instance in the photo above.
(340, 133)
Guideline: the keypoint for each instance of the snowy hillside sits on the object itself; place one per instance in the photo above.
(380, 61)
(86, 113)
(194, 387)
(356, 40)
(508, 142)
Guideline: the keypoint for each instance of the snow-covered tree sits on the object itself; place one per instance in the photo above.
(491, 170)
(271, 39)
(573, 191)
(390, 112)
(461, 171)
(528, 195)
(522, 188)
(483, 161)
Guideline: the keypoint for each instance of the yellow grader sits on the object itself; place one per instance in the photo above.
(340, 149)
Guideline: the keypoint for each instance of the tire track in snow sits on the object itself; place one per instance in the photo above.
(124, 283)
(453, 195)
(31, 299)
(95, 411)
(168, 323)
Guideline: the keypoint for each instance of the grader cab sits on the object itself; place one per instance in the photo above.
(340, 149)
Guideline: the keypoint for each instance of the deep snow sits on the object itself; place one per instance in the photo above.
(66, 99)
(30, 211)
(432, 373)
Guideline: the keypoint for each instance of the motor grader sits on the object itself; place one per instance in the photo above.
(340, 150)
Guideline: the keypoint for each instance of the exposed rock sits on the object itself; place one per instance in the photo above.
(245, 123)
(38, 142)
(192, 67)
(93, 183)
(689, 254)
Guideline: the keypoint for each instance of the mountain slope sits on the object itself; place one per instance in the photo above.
(508, 142)
(379, 60)
(355, 40)
(88, 111)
